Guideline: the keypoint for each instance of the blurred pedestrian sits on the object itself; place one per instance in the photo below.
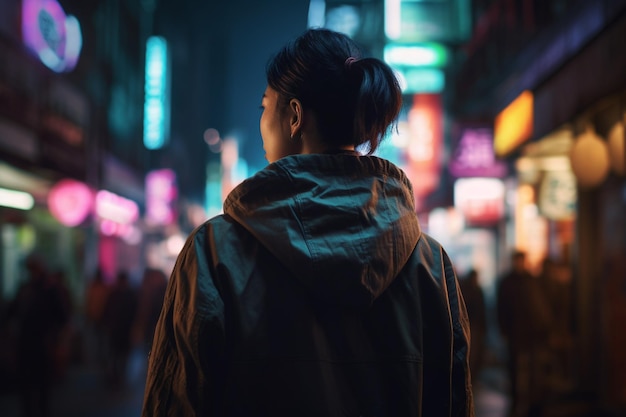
(95, 300)
(65, 339)
(118, 317)
(476, 311)
(151, 295)
(7, 347)
(40, 313)
(555, 280)
(315, 293)
(524, 321)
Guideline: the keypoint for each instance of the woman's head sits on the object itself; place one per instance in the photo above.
(354, 100)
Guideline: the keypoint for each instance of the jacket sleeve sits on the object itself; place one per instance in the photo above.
(447, 377)
(183, 368)
(462, 397)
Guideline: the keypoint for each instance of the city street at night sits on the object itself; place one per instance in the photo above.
(356, 208)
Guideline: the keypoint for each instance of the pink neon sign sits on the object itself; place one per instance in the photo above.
(51, 34)
(70, 202)
(110, 206)
(161, 194)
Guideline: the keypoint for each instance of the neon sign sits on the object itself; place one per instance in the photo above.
(70, 202)
(514, 125)
(428, 54)
(161, 194)
(425, 143)
(51, 34)
(116, 208)
(156, 101)
(481, 200)
(475, 157)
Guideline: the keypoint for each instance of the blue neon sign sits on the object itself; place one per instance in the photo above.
(156, 102)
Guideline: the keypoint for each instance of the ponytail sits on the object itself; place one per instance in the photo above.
(377, 103)
(356, 101)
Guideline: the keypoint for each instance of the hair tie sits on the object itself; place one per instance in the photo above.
(349, 61)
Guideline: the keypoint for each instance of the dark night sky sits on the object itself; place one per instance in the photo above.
(219, 52)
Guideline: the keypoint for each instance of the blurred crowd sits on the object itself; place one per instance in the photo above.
(533, 320)
(43, 330)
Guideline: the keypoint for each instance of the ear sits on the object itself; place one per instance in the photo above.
(295, 117)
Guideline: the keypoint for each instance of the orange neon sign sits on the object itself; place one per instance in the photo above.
(514, 125)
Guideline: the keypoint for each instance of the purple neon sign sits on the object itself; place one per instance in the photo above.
(161, 194)
(475, 156)
(51, 34)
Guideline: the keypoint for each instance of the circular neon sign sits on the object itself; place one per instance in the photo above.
(55, 37)
(70, 202)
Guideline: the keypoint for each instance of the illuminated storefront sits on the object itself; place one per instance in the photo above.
(44, 121)
(570, 200)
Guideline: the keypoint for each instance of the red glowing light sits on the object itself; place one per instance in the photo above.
(425, 143)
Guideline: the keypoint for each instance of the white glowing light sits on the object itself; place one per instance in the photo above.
(393, 29)
(16, 199)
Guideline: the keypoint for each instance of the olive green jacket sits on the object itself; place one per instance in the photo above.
(314, 294)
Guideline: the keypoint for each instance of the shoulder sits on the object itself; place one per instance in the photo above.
(219, 240)
(219, 224)
(431, 267)
(220, 230)
(432, 253)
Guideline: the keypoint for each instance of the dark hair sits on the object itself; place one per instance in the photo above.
(356, 100)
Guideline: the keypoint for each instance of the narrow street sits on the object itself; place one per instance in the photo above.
(83, 393)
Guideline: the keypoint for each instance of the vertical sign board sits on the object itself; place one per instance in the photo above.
(156, 118)
(161, 196)
(425, 119)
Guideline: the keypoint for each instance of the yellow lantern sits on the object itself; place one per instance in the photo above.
(590, 159)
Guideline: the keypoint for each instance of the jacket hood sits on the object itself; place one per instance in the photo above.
(343, 224)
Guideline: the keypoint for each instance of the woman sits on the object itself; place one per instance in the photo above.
(315, 293)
